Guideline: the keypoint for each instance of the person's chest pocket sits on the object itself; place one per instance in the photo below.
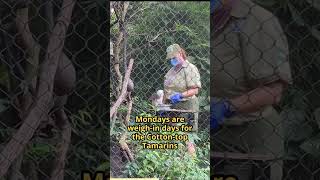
(179, 82)
(227, 71)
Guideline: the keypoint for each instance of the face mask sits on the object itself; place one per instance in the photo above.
(174, 62)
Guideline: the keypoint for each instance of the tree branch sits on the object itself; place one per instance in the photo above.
(40, 107)
(124, 146)
(49, 14)
(117, 47)
(123, 91)
(31, 170)
(15, 173)
(33, 50)
(58, 171)
(130, 103)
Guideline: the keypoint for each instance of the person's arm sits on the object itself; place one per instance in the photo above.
(190, 92)
(270, 74)
(262, 96)
(193, 82)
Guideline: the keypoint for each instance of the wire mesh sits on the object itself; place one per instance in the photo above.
(147, 30)
(53, 100)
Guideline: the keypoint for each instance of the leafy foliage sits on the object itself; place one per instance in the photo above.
(153, 26)
(171, 164)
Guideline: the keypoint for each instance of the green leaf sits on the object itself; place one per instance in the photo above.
(4, 78)
(312, 146)
(193, 137)
(40, 150)
(317, 116)
(134, 165)
(315, 32)
(4, 104)
(203, 101)
(314, 3)
(102, 167)
(296, 128)
(295, 15)
(206, 108)
(145, 162)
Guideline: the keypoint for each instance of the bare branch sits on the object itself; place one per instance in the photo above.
(40, 107)
(49, 14)
(32, 170)
(130, 103)
(33, 50)
(138, 11)
(123, 91)
(22, 23)
(62, 149)
(124, 146)
(117, 48)
(15, 173)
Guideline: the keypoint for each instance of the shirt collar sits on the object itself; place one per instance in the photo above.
(185, 64)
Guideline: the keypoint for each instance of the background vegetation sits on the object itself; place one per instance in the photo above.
(151, 27)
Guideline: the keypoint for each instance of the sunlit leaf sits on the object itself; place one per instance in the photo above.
(104, 166)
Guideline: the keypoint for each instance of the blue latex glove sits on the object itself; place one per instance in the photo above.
(175, 98)
(161, 113)
(218, 112)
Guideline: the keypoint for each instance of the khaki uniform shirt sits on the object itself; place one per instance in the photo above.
(250, 51)
(180, 81)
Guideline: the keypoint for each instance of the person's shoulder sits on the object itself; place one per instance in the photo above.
(252, 18)
(247, 9)
(190, 66)
(169, 72)
(193, 66)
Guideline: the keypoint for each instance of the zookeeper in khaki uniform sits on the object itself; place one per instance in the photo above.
(250, 71)
(182, 84)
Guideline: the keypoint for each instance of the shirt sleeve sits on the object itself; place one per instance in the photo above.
(193, 77)
(265, 53)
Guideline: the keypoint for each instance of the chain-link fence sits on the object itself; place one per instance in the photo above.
(143, 31)
(265, 60)
(53, 64)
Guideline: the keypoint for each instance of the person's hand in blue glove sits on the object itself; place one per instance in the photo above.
(175, 98)
(219, 110)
